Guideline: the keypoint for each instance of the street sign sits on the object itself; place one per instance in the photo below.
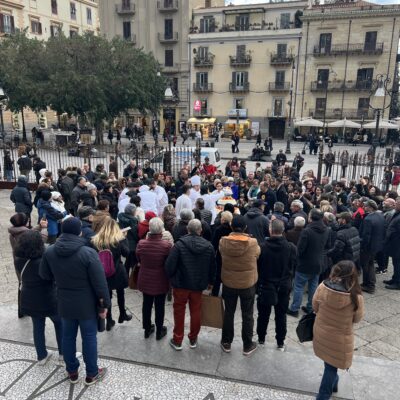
(197, 105)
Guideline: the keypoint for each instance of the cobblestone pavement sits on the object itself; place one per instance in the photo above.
(378, 335)
(21, 378)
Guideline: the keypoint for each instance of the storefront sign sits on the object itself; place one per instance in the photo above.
(255, 128)
(233, 113)
(197, 105)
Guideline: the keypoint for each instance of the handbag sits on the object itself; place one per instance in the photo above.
(212, 311)
(133, 277)
(305, 328)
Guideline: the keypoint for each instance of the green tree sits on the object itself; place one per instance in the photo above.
(23, 73)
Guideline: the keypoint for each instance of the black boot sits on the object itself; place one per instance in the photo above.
(161, 333)
(110, 322)
(148, 332)
(124, 316)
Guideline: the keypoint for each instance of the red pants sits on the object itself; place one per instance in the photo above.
(181, 298)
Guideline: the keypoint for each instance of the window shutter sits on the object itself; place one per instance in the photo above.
(212, 25)
(237, 23)
(245, 77)
(206, 78)
(240, 51)
(233, 79)
(39, 28)
(202, 25)
(12, 24)
(1, 23)
(197, 78)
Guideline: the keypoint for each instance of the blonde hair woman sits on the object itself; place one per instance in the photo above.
(110, 237)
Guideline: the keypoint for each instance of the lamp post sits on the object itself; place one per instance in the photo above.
(169, 96)
(381, 84)
(289, 128)
(2, 97)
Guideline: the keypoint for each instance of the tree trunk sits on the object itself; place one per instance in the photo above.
(99, 133)
(24, 138)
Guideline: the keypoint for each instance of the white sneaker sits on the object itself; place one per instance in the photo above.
(281, 347)
(43, 361)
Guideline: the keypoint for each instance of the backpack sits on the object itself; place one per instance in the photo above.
(107, 260)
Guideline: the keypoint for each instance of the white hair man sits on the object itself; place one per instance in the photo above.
(296, 210)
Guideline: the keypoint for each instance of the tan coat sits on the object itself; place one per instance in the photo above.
(239, 254)
(333, 329)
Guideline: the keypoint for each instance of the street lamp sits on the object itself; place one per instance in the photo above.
(381, 83)
(169, 96)
(289, 130)
(2, 97)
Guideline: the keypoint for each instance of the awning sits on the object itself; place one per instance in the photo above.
(234, 121)
(194, 120)
(383, 124)
(344, 123)
(309, 122)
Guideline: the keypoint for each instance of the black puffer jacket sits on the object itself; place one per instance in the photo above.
(191, 263)
(38, 296)
(129, 221)
(79, 277)
(310, 249)
(346, 245)
(257, 224)
(21, 197)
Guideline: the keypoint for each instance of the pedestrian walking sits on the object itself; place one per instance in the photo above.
(110, 136)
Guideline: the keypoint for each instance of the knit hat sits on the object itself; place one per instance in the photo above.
(72, 226)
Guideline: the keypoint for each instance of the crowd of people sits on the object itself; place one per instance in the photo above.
(255, 235)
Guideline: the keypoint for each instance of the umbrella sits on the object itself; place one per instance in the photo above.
(344, 123)
(309, 122)
(383, 124)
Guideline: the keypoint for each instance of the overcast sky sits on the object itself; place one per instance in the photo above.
(266, 1)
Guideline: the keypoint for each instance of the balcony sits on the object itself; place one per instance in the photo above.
(204, 112)
(352, 49)
(171, 69)
(167, 6)
(340, 86)
(204, 62)
(202, 87)
(170, 38)
(241, 62)
(234, 88)
(281, 59)
(337, 113)
(278, 113)
(279, 86)
(131, 39)
(125, 9)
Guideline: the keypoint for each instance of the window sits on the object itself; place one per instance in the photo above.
(241, 53)
(169, 58)
(207, 3)
(126, 4)
(36, 27)
(320, 105)
(89, 15)
(285, 21)
(322, 78)
(278, 107)
(168, 28)
(202, 80)
(207, 24)
(325, 42)
(242, 22)
(279, 79)
(73, 32)
(72, 8)
(126, 29)
(55, 30)
(281, 49)
(7, 24)
(370, 41)
(239, 79)
(202, 53)
(363, 107)
(364, 78)
(54, 7)
(238, 103)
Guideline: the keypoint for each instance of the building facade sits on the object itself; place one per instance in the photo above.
(241, 66)
(345, 45)
(160, 27)
(43, 19)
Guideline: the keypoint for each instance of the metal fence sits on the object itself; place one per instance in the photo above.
(73, 155)
(358, 165)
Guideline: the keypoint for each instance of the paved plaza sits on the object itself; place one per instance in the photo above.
(146, 369)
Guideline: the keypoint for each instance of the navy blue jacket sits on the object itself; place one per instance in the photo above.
(372, 232)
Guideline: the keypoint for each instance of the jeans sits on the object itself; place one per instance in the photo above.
(88, 328)
(9, 175)
(39, 339)
(181, 298)
(159, 308)
(264, 312)
(300, 281)
(368, 269)
(230, 297)
(330, 379)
